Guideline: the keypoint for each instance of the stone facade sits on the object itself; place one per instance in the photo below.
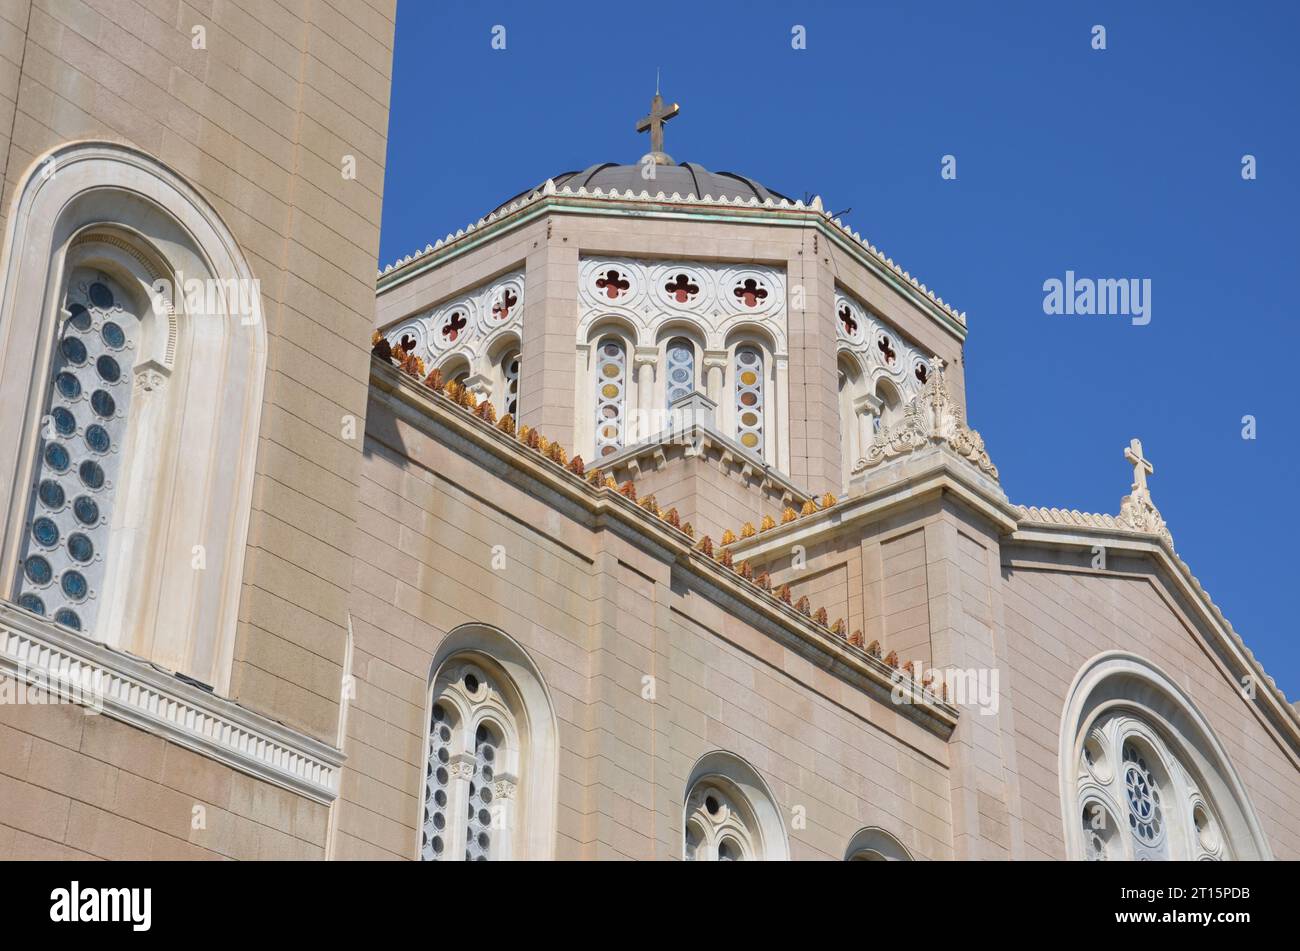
(862, 647)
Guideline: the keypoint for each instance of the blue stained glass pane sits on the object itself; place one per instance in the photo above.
(45, 532)
(56, 456)
(97, 438)
(85, 509)
(51, 494)
(113, 335)
(74, 585)
(103, 404)
(64, 421)
(101, 296)
(38, 570)
(80, 317)
(80, 547)
(92, 474)
(68, 385)
(29, 602)
(108, 369)
(68, 618)
(74, 351)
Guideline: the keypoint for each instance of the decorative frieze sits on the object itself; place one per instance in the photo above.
(118, 685)
(879, 351)
(469, 324)
(715, 299)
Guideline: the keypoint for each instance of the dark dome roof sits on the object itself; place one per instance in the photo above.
(688, 178)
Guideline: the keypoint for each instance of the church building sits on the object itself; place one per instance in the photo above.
(640, 518)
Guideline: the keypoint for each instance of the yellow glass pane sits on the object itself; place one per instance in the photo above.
(749, 440)
(611, 369)
(609, 391)
(749, 378)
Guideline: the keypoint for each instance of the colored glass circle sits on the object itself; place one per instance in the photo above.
(92, 474)
(108, 369)
(45, 532)
(51, 494)
(103, 404)
(97, 438)
(114, 336)
(100, 295)
(38, 570)
(69, 386)
(74, 585)
(64, 421)
(30, 602)
(85, 510)
(74, 351)
(80, 317)
(56, 456)
(80, 548)
(68, 618)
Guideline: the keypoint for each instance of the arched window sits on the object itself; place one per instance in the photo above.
(750, 407)
(876, 845)
(680, 370)
(611, 395)
(719, 825)
(473, 767)
(133, 354)
(510, 383)
(490, 769)
(455, 370)
(891, 404)
(1143, 777)
(730, 814)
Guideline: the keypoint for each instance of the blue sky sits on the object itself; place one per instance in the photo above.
(1118, 163)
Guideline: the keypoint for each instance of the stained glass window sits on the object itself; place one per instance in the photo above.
(681, 370)
(611, 387)
(79, 454)
(749, 398)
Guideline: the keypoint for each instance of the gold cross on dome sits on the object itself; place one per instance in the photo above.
(1142, 466)
(659, 114)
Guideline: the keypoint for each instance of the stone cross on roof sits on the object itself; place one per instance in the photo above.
(659, 114)
(1142, 467)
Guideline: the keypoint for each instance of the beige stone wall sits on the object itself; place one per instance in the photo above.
(1056, 618)
(260, 122)
(597, 614)
(78, 786)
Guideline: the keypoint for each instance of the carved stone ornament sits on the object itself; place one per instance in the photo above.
(1137, 511)
(930, 418)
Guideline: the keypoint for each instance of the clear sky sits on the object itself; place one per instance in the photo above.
(1122, 163)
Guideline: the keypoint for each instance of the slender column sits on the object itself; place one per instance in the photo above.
(781, 397)
(715, 367)
(646, 358)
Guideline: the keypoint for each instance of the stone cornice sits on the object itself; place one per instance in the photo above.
(134, 691)
(602, 507)
(644, 205)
